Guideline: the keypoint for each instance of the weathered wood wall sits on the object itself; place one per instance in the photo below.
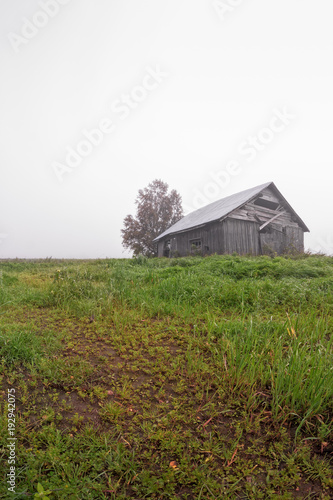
(211, 236)
(233, 235)
(241, 236)
(227, 236)
(255, 213)
(282, 240)
(240, 233)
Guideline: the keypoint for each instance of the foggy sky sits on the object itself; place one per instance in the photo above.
(100, 97)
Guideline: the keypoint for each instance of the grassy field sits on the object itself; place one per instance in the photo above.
(193, 378)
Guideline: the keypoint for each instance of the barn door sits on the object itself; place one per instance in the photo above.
(271, 238)
(166, 248)
(271, 241)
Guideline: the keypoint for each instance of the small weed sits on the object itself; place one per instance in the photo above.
(41, 493)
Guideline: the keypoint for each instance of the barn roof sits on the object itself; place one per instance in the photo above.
(221, 208)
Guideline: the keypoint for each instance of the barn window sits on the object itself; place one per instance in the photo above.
(261, 202)
(196, 245)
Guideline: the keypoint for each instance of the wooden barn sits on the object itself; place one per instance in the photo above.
(256, 221)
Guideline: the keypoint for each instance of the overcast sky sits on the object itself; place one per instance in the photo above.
(100, 97)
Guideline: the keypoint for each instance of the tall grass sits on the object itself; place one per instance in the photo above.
(268, 321)
(291, 360)
(25, 345)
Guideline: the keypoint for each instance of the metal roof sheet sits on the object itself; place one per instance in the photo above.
(220, 209)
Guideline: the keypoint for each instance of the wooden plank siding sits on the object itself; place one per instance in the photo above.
(239, 230)
(220, 237)
(251, 212)
(282, 241)
(232, 235)
(241, 237)
(211, 237)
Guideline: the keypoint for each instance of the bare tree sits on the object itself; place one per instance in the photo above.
(156, 211)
